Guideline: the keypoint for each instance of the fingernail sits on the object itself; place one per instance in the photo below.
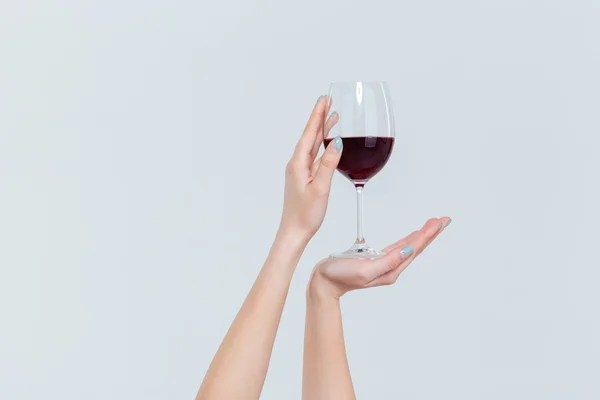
(448, 223)
(319, 99)
(338, 144)
(439, 226)
(332, 114)
(405, 252)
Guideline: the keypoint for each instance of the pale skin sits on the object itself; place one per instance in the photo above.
(326, 373)
(239, 367)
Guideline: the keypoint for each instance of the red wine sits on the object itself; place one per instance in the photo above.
(363, 156)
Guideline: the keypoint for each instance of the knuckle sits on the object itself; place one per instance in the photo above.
(395, 260)
(329, 161)
(391, 265)
(389, 281)
(392, 278)
(419, 238)
(291, 167)
(321, 189)
(431, 221)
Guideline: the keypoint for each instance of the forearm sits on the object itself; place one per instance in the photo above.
(326, 373)
(239, 368)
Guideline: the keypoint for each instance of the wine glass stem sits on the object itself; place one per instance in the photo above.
(359, 215)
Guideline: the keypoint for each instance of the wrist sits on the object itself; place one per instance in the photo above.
(288, 247)
(320, 290)
(293, 238)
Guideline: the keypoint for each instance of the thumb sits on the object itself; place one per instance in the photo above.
(389, 262)
(328, 164)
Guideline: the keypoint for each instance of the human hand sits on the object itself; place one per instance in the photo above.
(333, 277)
(307, 182)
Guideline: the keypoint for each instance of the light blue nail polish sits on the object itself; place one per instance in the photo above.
(440, 226)
(448, 223)
(319, 99)
(338, 144)
(407, 251)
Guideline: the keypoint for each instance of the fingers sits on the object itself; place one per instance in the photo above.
(394, 255)
(328, 164)
(402, 253)
(431, 225)
(311, 132)
(329, 124)
(331, 121)
(386, 264)
(401, 243)
(444, 221)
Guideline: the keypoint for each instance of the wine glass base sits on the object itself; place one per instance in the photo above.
(359, 251)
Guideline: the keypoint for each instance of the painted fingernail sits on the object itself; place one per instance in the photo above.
(448, 223)
(439, 226)
(338, 144)
(319, 99)
(405, 252)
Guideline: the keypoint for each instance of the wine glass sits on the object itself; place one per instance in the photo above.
(361, 114)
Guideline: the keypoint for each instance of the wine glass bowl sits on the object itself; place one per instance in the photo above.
(363, 157)
(361, 114)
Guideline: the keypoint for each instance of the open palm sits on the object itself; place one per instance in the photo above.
(336, 276)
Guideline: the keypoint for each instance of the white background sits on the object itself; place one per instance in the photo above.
(142, 149)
